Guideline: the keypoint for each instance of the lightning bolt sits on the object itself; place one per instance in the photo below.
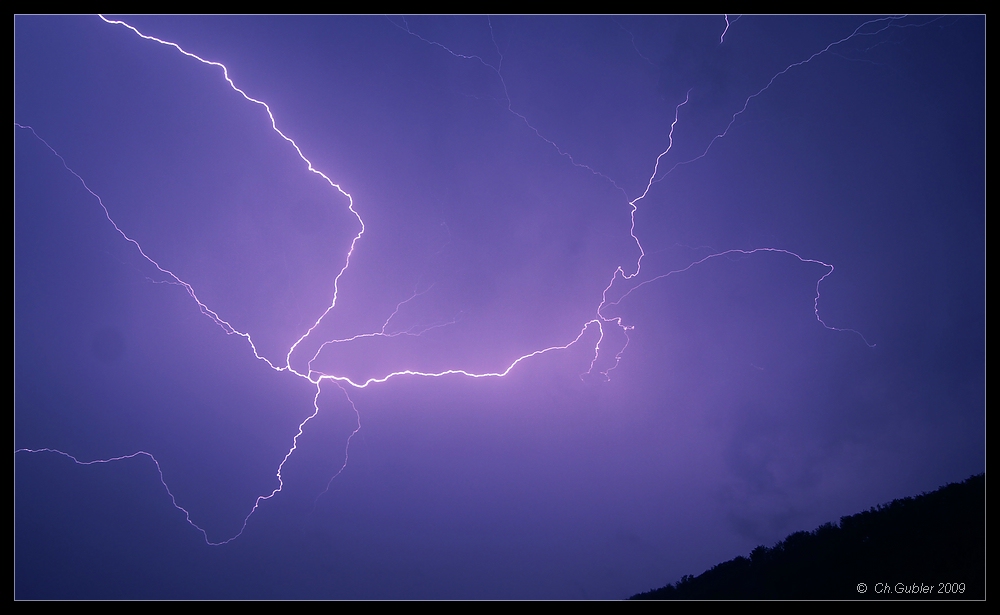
(627, 276)
(634, 46)
(884, 24)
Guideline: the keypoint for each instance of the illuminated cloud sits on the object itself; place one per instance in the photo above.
(483, 227)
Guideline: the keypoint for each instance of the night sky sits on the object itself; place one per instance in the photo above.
(693, 402)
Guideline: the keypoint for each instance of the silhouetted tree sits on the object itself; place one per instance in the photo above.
(930, 546)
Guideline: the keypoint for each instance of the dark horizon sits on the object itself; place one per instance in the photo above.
(930, 546)
(523, 389)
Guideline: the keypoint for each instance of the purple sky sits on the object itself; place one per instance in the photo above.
(493, 162)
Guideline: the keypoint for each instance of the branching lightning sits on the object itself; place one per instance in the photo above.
(885, 24)
(625, 275)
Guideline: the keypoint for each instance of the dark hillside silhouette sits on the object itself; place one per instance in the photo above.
(932, 546)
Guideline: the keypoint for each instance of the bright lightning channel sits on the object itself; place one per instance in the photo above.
(317, 378)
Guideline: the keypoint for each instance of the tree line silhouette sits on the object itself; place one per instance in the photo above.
(932, 546)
